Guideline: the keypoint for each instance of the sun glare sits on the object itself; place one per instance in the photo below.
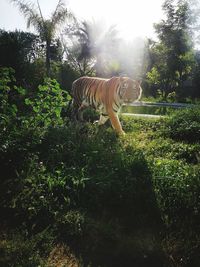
(132, 18)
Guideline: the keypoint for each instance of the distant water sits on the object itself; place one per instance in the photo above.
(147, 110)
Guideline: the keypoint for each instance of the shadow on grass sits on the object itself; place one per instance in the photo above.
(122, 222)
(94, 190)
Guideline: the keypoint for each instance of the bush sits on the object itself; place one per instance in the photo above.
(22, 125)
(169, 149)
(17, 250)
(89, 187)
(22, 130)
(97, 173)
(177, 187)
(184, 125)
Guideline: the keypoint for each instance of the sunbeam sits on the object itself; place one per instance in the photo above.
(132, 18)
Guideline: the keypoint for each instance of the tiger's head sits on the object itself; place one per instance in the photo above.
(130, 90)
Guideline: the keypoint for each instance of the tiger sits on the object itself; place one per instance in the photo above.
(106, 96)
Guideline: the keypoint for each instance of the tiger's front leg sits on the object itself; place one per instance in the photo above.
(115, 122)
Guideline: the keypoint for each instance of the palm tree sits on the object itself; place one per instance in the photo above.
(45, 27)
(98, 41)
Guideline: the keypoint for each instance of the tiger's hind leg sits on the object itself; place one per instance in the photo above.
(80, 112)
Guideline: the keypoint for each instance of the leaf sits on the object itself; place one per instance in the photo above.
(14, 109)
(58, 111)
(28, 101)
(20, 90)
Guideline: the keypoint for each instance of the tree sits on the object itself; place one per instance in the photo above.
(93, 48)
(76, 50)
(19, 50)
(45, 27)
(173, 54)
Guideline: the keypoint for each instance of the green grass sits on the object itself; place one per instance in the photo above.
(113, 200)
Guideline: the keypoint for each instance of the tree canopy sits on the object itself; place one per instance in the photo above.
(46, 28)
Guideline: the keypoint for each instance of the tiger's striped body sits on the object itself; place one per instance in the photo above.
(104, 95)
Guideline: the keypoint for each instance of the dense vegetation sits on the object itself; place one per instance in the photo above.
(75, 194)
(111, 200)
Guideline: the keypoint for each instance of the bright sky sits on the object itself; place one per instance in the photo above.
(133, 18)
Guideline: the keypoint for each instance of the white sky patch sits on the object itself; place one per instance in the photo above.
(132, 18)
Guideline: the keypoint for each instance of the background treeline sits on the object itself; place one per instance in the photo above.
(169, 66)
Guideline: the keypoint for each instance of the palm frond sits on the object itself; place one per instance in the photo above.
(60, 14)
(29, 12)
(60, 6)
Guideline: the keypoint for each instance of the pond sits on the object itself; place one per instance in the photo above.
(162, 109)
(147, 110)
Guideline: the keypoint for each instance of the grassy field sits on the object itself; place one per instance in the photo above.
(82, 196)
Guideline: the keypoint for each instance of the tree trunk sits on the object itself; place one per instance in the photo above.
(48, 56)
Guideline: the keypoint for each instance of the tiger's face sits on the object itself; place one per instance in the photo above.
(130, 90)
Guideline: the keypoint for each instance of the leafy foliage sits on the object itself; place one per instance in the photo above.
(113, 199)
(173, 55)
(18, 50)
(25, 121)
(45, 27)
(17, 250)
(47, 105)
(185, 125)
(177, 185)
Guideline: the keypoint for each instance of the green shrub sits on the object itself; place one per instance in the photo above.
(142, 125)
(23, 127)
(169, 149)
(46, 106)
(184, 125)
(44, 198)
(74, 178)
(177, 187)
(98, 153)
(22, 130)
(19, 250)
